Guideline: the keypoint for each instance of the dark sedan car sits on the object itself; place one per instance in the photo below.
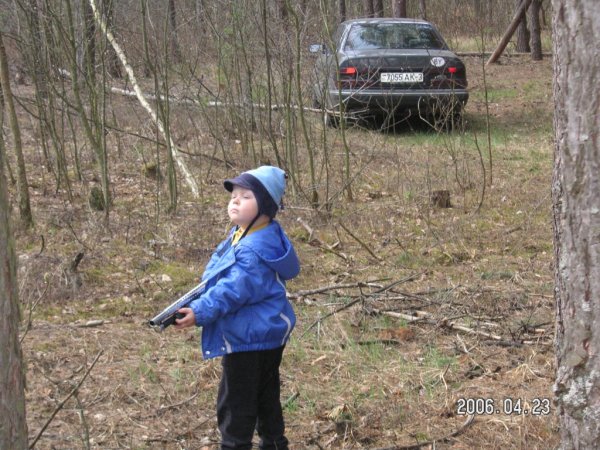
(391, 68)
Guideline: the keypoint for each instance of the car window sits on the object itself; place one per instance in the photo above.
(392, 36)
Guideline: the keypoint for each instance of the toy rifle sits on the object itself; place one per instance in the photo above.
(169, 314)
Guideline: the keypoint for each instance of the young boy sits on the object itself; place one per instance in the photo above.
(244, 312)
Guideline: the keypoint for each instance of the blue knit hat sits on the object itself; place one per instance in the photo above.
(268, 185)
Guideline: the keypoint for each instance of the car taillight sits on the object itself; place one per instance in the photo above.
(347, 77)
(457, 75)
(348, 71)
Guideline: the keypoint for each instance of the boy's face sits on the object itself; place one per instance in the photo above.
(242, 208)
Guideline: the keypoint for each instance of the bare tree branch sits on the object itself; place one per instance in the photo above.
(62, 403)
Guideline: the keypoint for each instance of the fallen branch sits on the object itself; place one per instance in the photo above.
(62, 403)
(91, 324)
(432, 442)
(428, 318)
(517, 343)
(521, 11)
(333, 287)
(216, 103)
(354, 302)
(486, 54)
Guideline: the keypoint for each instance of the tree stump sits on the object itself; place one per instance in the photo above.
(72, 274)
(96, 199)
(441, 199)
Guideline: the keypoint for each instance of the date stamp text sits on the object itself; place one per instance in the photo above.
(507, 406)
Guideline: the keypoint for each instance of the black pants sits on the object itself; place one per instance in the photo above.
(248, 399)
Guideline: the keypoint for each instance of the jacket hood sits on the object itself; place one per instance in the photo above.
(272, 245)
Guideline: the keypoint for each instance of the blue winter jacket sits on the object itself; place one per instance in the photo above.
(244, 306)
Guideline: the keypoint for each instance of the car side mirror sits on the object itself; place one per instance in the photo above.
(317, 48)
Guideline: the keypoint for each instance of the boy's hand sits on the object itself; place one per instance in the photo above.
(188, 320)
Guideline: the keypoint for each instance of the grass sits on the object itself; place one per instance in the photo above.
(496, 95)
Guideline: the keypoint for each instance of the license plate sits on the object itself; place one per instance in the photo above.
(407, 77)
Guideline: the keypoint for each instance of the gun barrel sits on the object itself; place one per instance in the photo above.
(162, 319)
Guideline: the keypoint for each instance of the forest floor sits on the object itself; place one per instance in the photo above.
(424, 315)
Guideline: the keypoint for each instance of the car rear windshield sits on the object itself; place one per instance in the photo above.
(393, 36)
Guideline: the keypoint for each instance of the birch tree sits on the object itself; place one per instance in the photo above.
(576, 203)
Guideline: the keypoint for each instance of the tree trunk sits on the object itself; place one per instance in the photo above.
(399, 8)
(38, 69)
(282, 10)
(536, 39)
(369, 8)
(173, 39)
(13, 426)
(522, 32)
(342, 10)
(89, 45)
(423, 9)
(477, 9)
(510, 31)
(575, 193)
(378, 7)
(112, 60)
(23, 185)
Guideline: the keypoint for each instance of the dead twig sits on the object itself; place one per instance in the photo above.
(362, 244)
(332, 287)
(428, 318)
(162, 409)
(291, 399)
(332, 313)
(380, 342)
(32, 307)
(84, 424)
(354, 302)
(43, 246)
(62, 403)
(326, 247)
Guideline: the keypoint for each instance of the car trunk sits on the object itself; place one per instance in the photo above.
(363, 70)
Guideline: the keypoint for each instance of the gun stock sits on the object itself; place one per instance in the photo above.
(168, 315)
